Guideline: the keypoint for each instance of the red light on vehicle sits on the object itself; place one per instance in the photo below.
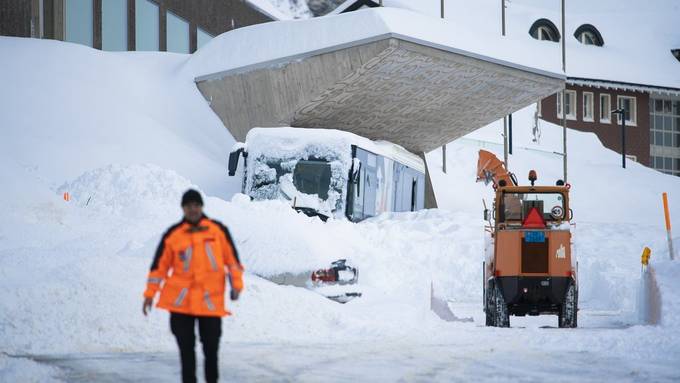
(497, 273)
(570, 273)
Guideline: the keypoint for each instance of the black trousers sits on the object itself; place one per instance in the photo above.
(210, 330)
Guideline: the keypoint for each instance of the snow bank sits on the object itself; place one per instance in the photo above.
(13, 369)
(67, 109)
(127, 191)
(666, 275)
(72, 273)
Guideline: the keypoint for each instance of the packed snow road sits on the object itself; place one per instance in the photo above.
(604, 348)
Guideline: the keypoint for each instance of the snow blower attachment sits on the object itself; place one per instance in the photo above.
(339, 273)
(329, 281)
(336, 282)
(529, 266)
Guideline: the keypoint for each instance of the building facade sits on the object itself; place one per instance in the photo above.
(127, 25)
(652, 118)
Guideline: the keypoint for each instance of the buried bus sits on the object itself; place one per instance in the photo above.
(329, 173)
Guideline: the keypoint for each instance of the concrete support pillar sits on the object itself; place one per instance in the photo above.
(430, 197)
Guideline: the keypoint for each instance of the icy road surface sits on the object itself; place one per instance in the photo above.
(532, 351)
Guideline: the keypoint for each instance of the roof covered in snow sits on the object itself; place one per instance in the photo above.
(638, 35)
(263, 43)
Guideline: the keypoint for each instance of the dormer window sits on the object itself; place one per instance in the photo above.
(544, 29)
(676, 53)
(589, 35)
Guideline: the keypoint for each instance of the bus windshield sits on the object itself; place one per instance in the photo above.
(313, 177)
(516, 206)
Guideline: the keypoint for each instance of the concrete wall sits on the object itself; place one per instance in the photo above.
(637, 137)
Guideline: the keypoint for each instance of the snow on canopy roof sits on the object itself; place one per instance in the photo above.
(638, 35)
(290, 140)
(263, 43)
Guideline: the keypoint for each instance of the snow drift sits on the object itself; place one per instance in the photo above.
(131, 141)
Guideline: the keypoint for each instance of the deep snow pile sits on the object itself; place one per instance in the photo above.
(67, 109)
(72, 273)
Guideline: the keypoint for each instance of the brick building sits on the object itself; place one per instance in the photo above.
(128, 25)
(646, 85)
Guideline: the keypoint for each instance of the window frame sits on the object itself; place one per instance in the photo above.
(608, 110)
(633, 120)
(592, 106)
(588, 31)
(570, 116)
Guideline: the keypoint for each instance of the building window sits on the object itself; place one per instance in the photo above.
(664, 125)
(629, 106)
(570, 104)
(589, 35)
(605, 108)
(114, 25)
(177, 34)
(202, 38)
(588, 105)
(78, 21)
(544, 29)
(668, 165)
(146, 25)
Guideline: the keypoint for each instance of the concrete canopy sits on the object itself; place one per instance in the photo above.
(390, 87)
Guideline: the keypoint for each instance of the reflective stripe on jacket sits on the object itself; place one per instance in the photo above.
(191, 264)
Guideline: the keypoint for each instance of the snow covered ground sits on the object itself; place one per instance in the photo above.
(126, 133)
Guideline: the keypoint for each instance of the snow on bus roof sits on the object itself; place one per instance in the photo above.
(286, 140)
(268, 43)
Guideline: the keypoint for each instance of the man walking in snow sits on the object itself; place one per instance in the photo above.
(193, 260)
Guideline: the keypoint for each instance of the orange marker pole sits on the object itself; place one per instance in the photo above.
(667, 215)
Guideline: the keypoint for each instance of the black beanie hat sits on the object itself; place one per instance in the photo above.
(192, 195)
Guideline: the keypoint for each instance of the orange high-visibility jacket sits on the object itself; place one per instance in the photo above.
(193, 261)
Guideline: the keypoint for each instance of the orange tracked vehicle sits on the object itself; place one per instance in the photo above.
(530, 268)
